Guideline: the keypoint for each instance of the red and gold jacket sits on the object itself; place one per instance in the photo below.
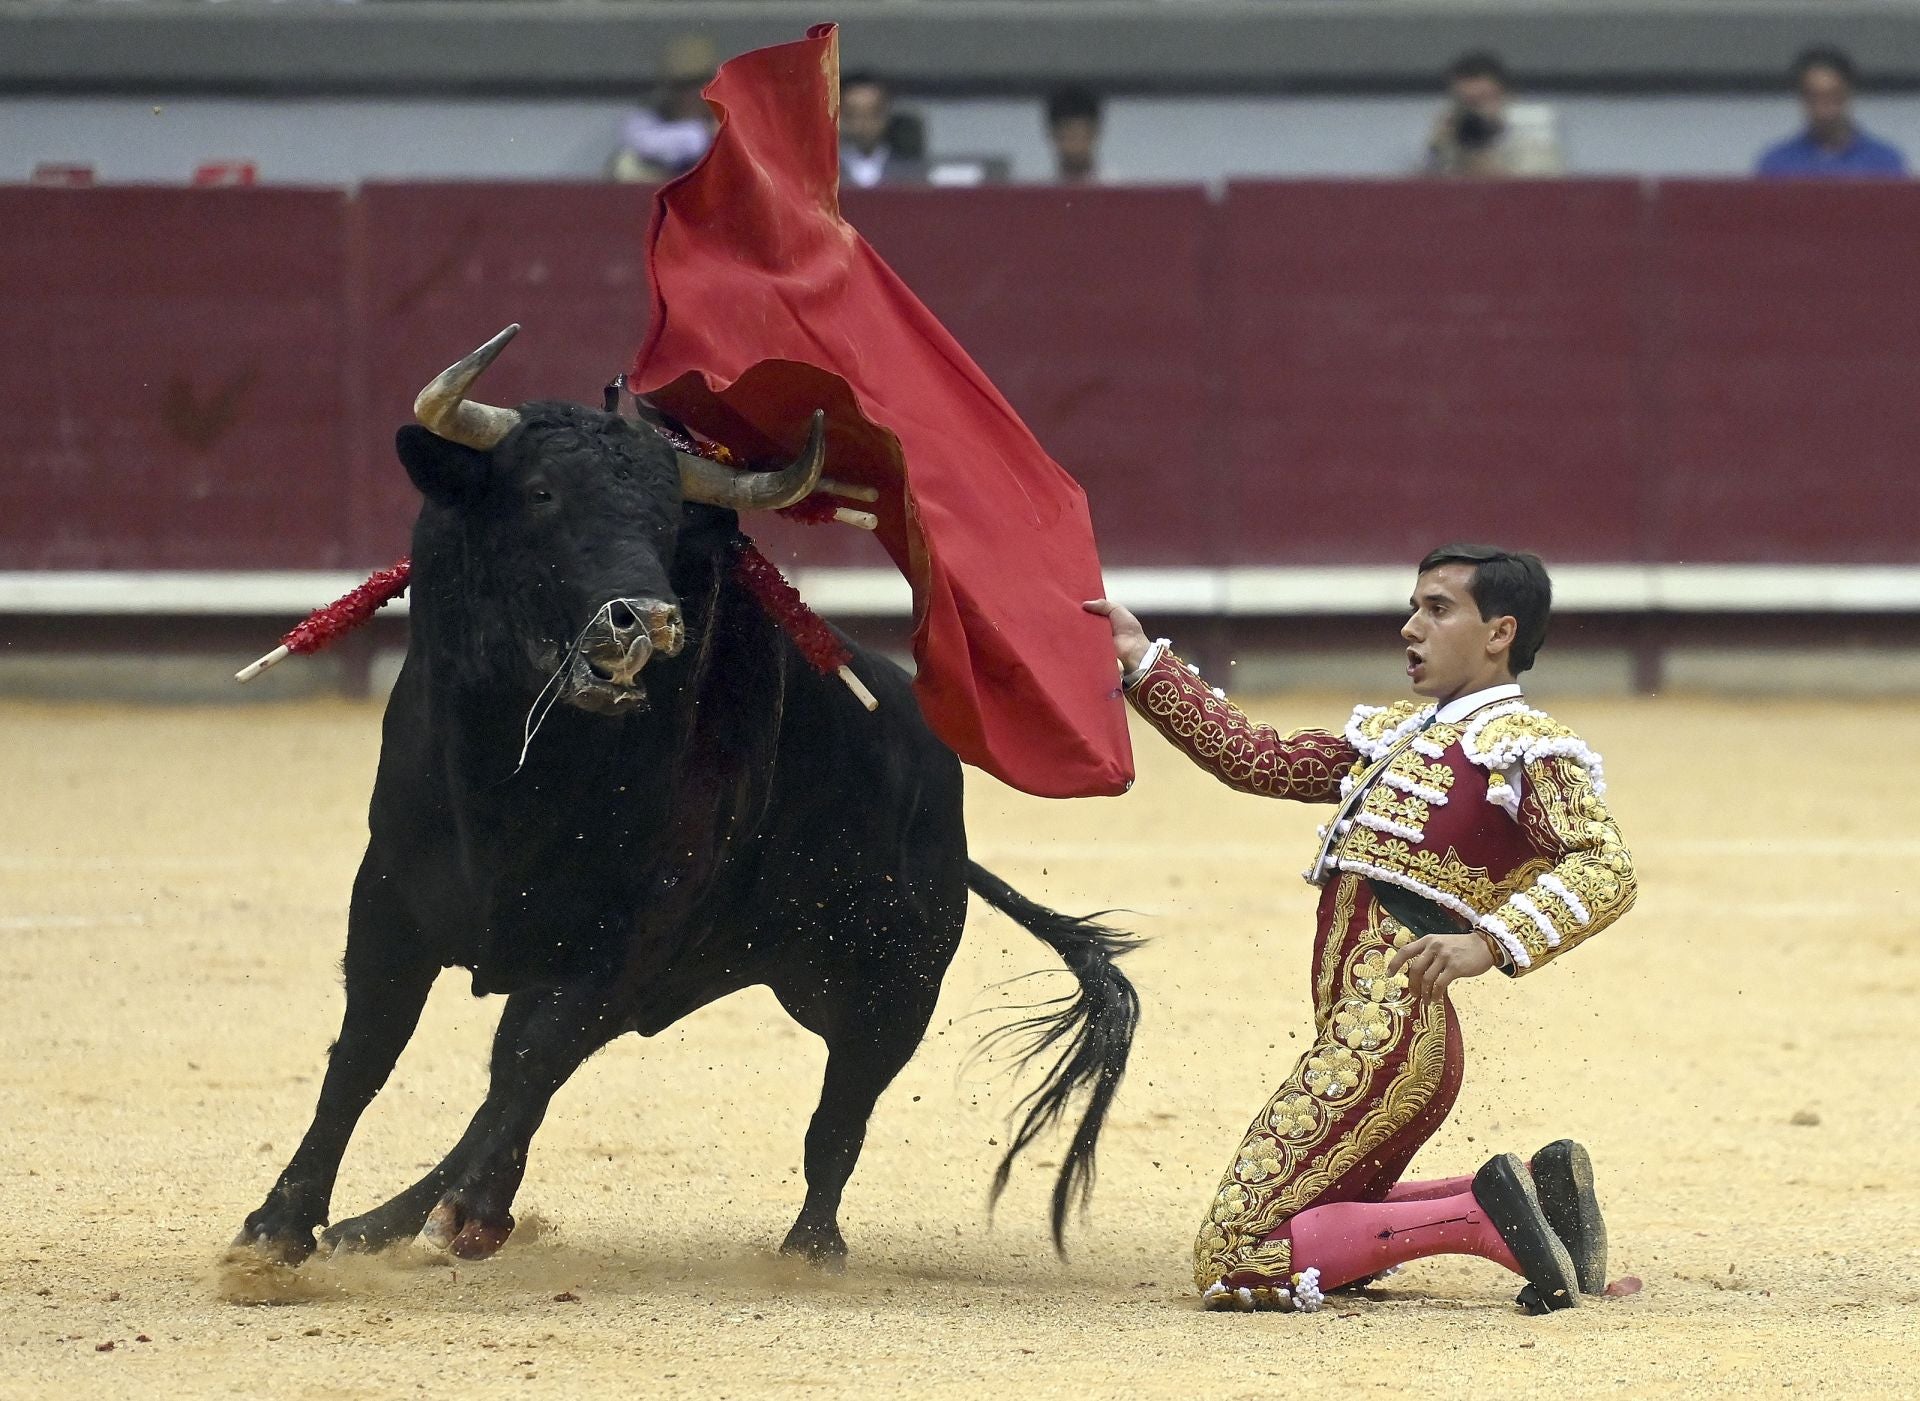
(1498, 818)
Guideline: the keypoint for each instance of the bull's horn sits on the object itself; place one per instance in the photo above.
(701, 480)
(444, 407)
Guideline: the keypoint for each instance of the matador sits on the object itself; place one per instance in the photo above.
(1470, 833)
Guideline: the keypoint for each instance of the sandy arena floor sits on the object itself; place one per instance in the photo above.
(1739, 1054)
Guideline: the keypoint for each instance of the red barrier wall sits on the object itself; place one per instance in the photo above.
(1087, 309)
(446, 266)
(1788, 404)
(172, 366)
(1439, 361)
(1300, 372)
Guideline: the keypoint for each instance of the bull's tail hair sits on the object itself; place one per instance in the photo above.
(1093, 1029)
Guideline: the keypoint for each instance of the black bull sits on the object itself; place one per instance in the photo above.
(698, 811)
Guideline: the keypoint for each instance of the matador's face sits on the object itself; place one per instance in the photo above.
(1451, 650)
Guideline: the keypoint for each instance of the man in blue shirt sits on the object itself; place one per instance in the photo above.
(1831, 144)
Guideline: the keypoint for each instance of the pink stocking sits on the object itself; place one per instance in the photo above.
(1430, 1188)
(1346, 1241)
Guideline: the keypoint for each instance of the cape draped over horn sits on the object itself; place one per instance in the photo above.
(767, 306)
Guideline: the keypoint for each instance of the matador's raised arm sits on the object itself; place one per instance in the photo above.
(1202, 723)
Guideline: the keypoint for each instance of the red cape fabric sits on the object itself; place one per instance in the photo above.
(767, 306)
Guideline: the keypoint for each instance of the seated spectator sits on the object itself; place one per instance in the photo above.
(1481, 133)
(870, 133)
(907, 137)
(668, 137)
(1832, 143)
(1073, 128)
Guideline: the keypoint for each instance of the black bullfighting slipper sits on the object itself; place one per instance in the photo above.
(1529, 1300)
(1563, 1179)
(1504, 1189)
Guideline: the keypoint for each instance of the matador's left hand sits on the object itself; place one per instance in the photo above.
(1433, 962)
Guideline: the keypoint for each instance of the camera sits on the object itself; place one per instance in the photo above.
(1474, 130)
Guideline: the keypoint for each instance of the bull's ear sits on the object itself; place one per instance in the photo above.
(445, 473)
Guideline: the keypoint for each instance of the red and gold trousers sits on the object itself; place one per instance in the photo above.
(1380, 1078)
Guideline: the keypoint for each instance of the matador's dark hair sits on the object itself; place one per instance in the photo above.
(1506, 583)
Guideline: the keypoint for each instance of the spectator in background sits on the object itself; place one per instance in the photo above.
(667, 137)
(1481, 133)
(1073, 128)
(1832, 144)
(872, 135)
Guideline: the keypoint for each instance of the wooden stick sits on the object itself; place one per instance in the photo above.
(866, 520)
(861, 693)
(253, 669)
(849, 490)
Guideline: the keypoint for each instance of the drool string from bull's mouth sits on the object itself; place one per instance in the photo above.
(567, 657)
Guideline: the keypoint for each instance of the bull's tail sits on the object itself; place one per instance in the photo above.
(1093, 1029)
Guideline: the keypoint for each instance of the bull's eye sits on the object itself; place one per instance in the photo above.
(540, 496)
(622, 474)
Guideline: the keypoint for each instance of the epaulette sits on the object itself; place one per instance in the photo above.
(1376, 729)
(1513, 732)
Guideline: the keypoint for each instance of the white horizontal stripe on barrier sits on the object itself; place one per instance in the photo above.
(1331, 591)
(854, 593)
(173, 593)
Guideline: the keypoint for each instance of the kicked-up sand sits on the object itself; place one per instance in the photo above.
(1741, 1054)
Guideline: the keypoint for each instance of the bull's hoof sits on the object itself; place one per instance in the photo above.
(263, 1244)
(393, 1222)
(366, 1235)
(823, 1247)
(463, 1234)
(259, 1268)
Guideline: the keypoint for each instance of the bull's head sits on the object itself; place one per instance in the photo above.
(574, 515)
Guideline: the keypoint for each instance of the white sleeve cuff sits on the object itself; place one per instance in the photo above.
(1129, 680)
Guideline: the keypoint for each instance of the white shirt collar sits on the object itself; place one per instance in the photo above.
(1459, 708)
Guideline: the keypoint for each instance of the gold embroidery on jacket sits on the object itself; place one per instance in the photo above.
(1562, 813)
(1446, 873)
(1427, 773)
(1218, 736)
(1394, 806)
(1372, 727)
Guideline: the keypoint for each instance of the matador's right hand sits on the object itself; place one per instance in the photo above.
(1129, 638)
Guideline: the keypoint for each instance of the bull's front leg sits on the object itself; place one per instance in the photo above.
(464, 1206)
(388, 977)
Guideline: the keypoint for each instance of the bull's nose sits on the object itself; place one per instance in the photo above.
(654, 619)
(619, 663)
(625, 636)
